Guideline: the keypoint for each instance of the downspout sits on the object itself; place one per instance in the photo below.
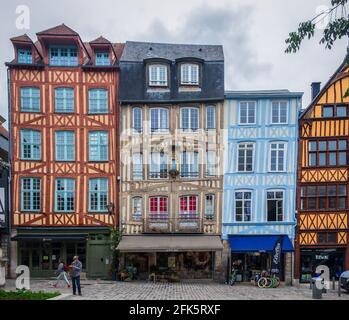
(9, 217)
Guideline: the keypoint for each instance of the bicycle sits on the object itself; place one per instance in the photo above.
(265, 280)
(232, 279)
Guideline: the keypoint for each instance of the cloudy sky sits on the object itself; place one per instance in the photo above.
(252, 33)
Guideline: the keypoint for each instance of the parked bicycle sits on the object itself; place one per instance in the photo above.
(232, 279)
(265, 280)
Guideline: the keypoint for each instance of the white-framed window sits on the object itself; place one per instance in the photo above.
(159, 120)
(210, 117)
(210, 163)
(158, 75)
(275, 205)
(137, 120)
(189, 167)
(243, 205)
(158, 165)
(189, 74)
(137, 208)
(209, 206)
(279, 110)
(247, 112)
(245, 156)
(277, 157)
(188, 207)
(189, 119)
(137, 166)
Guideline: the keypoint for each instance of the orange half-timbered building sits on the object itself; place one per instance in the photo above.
(64, 150)
(323, 183)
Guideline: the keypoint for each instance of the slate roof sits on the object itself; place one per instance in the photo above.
(61, 30)
(138, 51)
(262, 94)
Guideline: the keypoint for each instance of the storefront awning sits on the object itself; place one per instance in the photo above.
(258, 243)
(50, 237)
(169, 243)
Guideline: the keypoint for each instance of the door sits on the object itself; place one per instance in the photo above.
(98, 259)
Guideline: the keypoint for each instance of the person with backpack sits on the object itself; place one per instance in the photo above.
(62, 273)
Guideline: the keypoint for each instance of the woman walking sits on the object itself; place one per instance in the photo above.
(62, 273)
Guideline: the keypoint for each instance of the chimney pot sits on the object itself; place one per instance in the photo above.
(315, 89)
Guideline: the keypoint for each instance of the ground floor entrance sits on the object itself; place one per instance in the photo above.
(310, 259)
(41, 251)
(172, 257)
(171, 266)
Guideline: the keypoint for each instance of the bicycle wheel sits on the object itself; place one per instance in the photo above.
(262, 282)
(276, 282)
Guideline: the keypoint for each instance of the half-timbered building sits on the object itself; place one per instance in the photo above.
(322, 192)
(64, 150)
(171, 149)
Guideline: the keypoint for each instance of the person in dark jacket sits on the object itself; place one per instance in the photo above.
(76, 268)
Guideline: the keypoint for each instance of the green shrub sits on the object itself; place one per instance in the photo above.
(27, 295)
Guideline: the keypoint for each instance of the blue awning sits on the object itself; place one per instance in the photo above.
(258, 243)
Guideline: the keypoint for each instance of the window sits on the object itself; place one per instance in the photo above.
(275, 205)
(277, 156)
(25, 56)
(245, 157)
(243, 206)
(98, 146)
(188, 207)
(190, 74)
(327, 237)
(31, 144)
(65, 195)
(247, 112)
(328, 153)
(209, 207)
(158, 207)
(102, 59)
(65, 145)
(137, 120)
(279, 112)
(158, 75)
(137, 166)
(158, 120)
(98, 195)
(324, 197)
(189, 164)
(158, 165)
(210, 117)
(210, 163)
(189, 119)
(64, 100)
(97, 101)
(31, 194)
(30, 99)
(339, 110)
(63, 56)
(137, 208)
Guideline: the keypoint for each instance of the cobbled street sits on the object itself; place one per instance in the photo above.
(107, 290)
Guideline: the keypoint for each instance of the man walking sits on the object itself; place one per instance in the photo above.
(76, 267)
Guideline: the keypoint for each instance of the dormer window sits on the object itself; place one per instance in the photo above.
(190, 74)
(102, 59)
(63, 56)
(25, 56)
(158, 75)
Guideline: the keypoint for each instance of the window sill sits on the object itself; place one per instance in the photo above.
(32, 160)
(31, 111)
(97, 212)
(60, 212)
(98, 161)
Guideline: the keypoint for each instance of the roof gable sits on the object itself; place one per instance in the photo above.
(61, 30)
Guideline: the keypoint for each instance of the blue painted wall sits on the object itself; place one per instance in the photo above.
(262, 133)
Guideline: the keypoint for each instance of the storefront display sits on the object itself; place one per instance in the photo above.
(311, 259)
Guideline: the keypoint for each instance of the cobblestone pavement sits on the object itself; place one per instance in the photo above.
(107, 290)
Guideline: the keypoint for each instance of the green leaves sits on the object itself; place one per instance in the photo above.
(337, 28)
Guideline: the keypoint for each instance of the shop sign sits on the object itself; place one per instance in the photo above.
(276, 257)
(321, 257)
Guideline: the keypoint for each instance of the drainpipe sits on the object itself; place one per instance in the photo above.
(9, 255)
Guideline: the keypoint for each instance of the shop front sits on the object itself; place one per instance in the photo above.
(172, 258)
(334, 259)
(41, 251)
(251, 255)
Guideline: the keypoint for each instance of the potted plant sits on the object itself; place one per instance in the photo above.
(115, 237)
(173, 173)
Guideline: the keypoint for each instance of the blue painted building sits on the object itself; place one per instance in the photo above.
(260, 179)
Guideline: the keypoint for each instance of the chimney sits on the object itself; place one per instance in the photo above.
(315, 89)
